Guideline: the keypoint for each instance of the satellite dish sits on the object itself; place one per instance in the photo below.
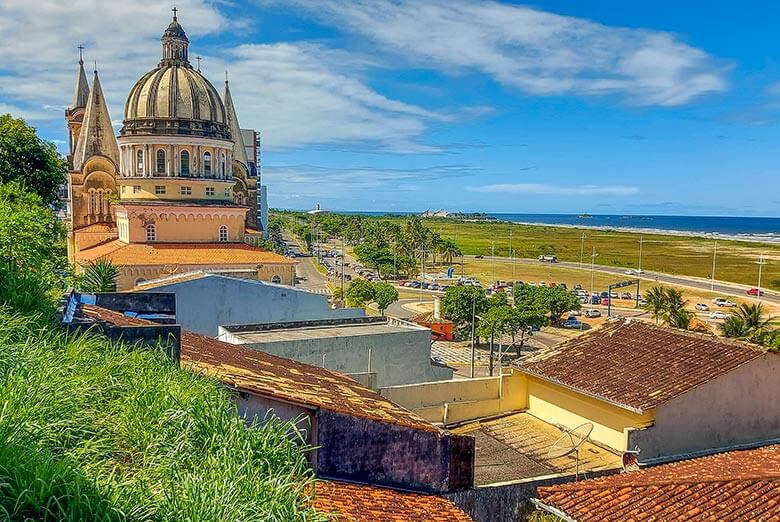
(570, 442)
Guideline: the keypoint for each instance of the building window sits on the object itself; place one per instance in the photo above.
(139, 159)
(207, 163)
(186, 191)
(184, 163)
(136, 189)
(160, 161)
(159, 189)
(151, 232)
(123, 189)
(227, 192)
(223, 233)
(209, 191)
(276, 279)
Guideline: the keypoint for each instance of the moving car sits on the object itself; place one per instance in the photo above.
(719, 315)
(755, 291)
(592, 312)
(702, 307)
(548, 259)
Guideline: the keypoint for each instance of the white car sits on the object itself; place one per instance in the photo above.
(574, 313)
(592, 312)
(719, 315)
(702, 307)
(728, 304)
(718, 300)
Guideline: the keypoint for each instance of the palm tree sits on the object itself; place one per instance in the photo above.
(656, 301)
(449, 251)
(746, 319)
(98, 276)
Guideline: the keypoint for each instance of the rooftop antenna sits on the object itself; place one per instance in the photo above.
(570, 442)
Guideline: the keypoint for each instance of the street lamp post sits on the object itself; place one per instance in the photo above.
(761, 262)
(582, 248)
(473, 322)
(639, 271)
(592, 271)
(712, 276)
(493, 259)
(342, 267)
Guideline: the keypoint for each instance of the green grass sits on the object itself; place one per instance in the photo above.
(683, 255)
(96, 430)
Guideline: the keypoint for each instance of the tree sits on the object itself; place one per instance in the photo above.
(359, 292)
(384, 295)
(747, 319)
(449, 251)
(555, 301)
(26, 158)
(461, 302)
(656, 301)
(98, 276)
(668, 305)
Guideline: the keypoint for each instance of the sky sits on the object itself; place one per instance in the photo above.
(662, 107)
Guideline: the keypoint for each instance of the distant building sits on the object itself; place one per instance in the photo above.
(207, 301)
(376, 350)
(176, 191)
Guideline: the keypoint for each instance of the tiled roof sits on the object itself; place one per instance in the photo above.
(638, 365)
(283, 379)
(739, 485)
(361, 503)
(125, 254)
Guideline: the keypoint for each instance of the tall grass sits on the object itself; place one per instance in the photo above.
(95, 430)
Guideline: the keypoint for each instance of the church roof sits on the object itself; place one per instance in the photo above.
(239, 150)
(81, 93)
(97, 135)
(188, 254)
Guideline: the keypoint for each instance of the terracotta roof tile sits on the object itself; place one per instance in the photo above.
(283, 379)
(125, 254)
(362, 503)
(739, 485)
(638, 365)
(102, 228)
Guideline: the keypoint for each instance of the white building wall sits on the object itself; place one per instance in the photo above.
(740, 407)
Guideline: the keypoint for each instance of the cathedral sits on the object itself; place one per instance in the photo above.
(176, 191)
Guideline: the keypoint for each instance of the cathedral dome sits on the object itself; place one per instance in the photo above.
(174, 98)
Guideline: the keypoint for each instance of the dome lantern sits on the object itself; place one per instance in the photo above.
(175, 44)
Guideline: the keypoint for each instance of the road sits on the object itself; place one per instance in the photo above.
(722, 287)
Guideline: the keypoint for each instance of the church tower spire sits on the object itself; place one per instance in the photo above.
(239, 150)
(81, 93)
(97, 135)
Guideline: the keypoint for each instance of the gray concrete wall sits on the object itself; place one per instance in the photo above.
(254, 407)
(740, 407)
(402, 357)
(203, 305)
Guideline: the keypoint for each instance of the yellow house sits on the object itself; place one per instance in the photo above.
(658, 391)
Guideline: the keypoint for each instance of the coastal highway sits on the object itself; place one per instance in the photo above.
(722, 287)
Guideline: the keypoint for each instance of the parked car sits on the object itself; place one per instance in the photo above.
(613, 294)
(728, 304)
(595, 300)
(592, 312)
(479, 256)
(578, 286)
(574, 313)
(754, 292)
(626, 295)
(605, 301)
(604, 294)
(584, 299)
(563, 285)
(642, 302)
(718, 300)
(719, 315)
(572, 323)
(702, 307)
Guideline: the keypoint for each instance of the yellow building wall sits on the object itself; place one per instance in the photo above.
(181, 224)
(129, 275)
(558, 405)
(134, 189)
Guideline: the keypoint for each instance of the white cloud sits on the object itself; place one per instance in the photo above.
(538, 52)
(296, 94)
(560, 190)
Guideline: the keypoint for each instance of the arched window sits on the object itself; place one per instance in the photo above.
(184, 163)
(207, 163)
(160, 161)
(139, 160)
(222, 165)
(276, 279)
(151, 232)
(223, 233)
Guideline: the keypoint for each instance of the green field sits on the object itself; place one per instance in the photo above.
(691, 256)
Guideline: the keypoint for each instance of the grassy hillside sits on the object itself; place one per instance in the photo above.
(95, 430)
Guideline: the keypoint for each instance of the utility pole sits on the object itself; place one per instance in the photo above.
(582, 248)
(493, 258)
(342, 267)
(639, 271)
(592, 270)
(473, 323)
(712, 276)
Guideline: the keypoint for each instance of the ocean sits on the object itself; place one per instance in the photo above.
(764, 229)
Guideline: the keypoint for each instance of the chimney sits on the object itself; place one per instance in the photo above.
(436, 307)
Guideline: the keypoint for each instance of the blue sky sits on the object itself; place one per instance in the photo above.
(557, 106)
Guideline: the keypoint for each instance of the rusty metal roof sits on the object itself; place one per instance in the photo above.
(738, 485)
(283, 379)
(358, 503)
(637, 365)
